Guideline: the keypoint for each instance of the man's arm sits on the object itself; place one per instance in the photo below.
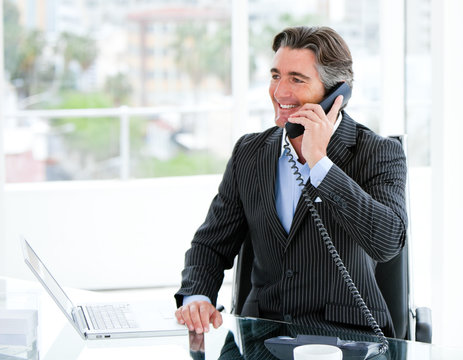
(373, 211)
(214, 246)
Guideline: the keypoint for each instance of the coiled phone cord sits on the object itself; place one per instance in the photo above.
(334, 254)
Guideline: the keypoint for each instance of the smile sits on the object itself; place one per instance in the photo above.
(287, 106)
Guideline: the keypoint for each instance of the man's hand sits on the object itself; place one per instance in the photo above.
(318, 129)
(197, 316)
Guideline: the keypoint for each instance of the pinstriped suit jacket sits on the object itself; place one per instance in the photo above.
(294, 278)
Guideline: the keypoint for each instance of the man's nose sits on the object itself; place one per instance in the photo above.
(282, 89)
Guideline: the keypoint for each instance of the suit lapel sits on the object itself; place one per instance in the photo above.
(267, 160)
(344, 138)
(339, 152)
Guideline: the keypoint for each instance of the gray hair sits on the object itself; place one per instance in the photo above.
(333, 57)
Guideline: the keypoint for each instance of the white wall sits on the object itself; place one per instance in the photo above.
(447, 194)
(107, 234)
(2, 159)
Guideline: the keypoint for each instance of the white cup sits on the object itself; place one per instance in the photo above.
(317, 352)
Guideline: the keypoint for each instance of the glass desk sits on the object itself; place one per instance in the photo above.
(237, 338)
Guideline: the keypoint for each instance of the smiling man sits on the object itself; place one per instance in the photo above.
(355, 178)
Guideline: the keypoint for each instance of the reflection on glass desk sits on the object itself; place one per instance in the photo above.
(237, 338)
(242, 338)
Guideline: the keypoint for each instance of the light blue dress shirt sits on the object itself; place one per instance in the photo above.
(287, 188)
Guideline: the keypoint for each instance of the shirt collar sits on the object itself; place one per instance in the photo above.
(336, 125)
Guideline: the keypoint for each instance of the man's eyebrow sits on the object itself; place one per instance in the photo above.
(292, 73)
(298, 74)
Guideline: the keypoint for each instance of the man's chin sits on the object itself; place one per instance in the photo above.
(281, 121)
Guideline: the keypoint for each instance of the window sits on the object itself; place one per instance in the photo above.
(164, 59)
(118, 56)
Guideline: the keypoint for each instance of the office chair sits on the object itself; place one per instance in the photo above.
(392, 278)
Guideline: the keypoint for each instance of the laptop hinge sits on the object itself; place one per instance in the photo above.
(78, 315)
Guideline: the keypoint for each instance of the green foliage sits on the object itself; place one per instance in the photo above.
(78, 49)
(119, 88)
(29, 71)
(202, 50)
(182, 163)
(96, 136)
(194, 163)
(99, 138)
(22, 51)
(12, 35)
(81, 49)
(78, 100)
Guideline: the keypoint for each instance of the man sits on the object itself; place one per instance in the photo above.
(355, 178)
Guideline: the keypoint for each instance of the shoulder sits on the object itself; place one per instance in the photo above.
(254, 141)
(365, 138)
(391, 145)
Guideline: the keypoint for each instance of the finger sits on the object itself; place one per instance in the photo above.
(302, 117)
(178, 315)
(310, 122)
(307, 108)
(333, 113)
(204, 313)
(187, 317)
(216, 319)
(196, 318)
(313, 112)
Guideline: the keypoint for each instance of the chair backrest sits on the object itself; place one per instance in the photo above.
(241, 286)
(392, 278)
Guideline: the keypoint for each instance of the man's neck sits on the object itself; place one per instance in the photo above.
(297, 145)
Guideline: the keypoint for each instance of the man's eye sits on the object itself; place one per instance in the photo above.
(275, 77)
(298, 81)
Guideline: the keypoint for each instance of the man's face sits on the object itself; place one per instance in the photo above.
(294, 82)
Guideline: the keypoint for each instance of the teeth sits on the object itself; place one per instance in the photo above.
(287, 106)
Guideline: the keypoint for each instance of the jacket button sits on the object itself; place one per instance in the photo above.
(289, 273)
(288, 318)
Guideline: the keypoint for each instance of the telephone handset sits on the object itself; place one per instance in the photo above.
(342, 88)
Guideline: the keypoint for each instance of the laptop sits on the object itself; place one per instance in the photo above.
(106, 320)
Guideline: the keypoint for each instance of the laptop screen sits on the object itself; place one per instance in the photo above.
(47, 280)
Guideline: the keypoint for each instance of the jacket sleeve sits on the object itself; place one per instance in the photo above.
(217, 241)
(372, 208)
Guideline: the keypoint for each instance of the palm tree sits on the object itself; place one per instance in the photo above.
(119, 88)
(81, 49)
(75, 48)
(202, 50)
(12, 35)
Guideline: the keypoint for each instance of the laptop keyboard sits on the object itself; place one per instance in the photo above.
(111, 316)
